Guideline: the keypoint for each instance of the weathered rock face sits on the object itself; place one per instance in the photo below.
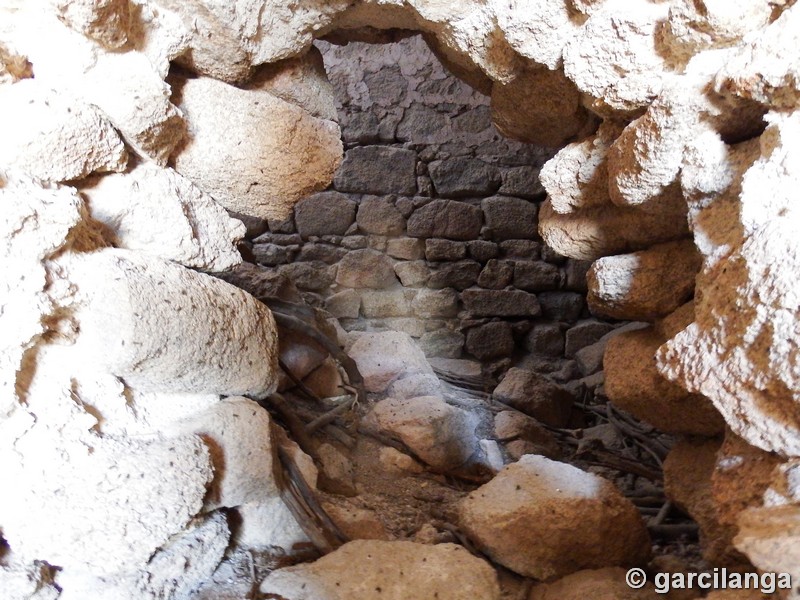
(546, 519)
(379, 570)
(263, 161)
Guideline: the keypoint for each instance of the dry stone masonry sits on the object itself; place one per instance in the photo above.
(430, 226)
(653, 179)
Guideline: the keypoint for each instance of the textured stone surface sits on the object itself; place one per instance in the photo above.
(377, 170)
(70, 140)
(540, 106)
(384, 357)
(601, 584)
(634, 384)
(464, 177)
(190, 227)
(387, 570)
(501, 303)
(745, 328)
(509, 218)
(535, 395)
(189, 343)
(292, 154)
(492, 340)
(365, 269)
(379, 215)
(644, 285)
(325, 213)
(445, 219)
(443, 436)
(536, 276)
(586, 520)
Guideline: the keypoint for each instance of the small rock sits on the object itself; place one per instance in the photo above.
(379, 304)
(395, 461)
(535, 395)
(441, 435)
(521, 249)
(522, 182)
(337, 475)
(585, 520)
(356, 523)
(384, 357)
(412, 274)
(512, 425)
(412, 386)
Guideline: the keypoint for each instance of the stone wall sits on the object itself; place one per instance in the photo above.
(431, 224)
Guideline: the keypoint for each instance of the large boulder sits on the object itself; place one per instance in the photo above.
(545, 519)
(255, 153)
(384, 357)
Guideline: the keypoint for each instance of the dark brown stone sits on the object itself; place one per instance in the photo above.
(500, 303)
(446, 219)
(490, 341)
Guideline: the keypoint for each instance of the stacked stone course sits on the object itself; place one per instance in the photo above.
(430, 226)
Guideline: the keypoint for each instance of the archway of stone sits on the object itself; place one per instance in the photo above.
(426, 250)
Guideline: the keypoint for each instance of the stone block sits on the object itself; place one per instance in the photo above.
(562, 306)
(533, 500)
(379, 216)
(535, 395)
(520, 249)
(366, 269)
(441, 250)
(406, 248)
(313, 276)
(522, 182)
(510, 218)
(436, 303)
(457, 275)
(490, 341)
(446, 219)
(536, 276)
(377, 170)
(344, 305)
(482, 250)
(546, 339)
(389, 303)
(496, 275)
(442, 343)
(464, 177)
(412, 274)
(500, 303)
(324, 213)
